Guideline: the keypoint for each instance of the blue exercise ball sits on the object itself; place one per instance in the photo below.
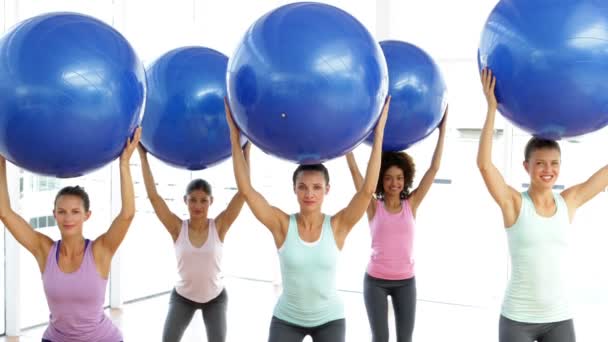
(307, 82)
(184, 122)
(418, 95)
(71, 93)
(550, 58)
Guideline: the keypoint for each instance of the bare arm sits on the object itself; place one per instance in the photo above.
(171, 221)
(579, 194)
(429, 176)
(507, 198)
(346, 218)
(111, 240)
(273, 218)
(225, 219)
(36, 243)
(358, 181)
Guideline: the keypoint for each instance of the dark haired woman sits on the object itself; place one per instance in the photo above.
(74, 269)
(308, 243)
(391, 216)
(198, 243)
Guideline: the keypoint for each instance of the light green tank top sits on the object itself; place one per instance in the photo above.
(308, 270)
(538, 289)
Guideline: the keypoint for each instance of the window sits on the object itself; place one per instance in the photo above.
(42, 222)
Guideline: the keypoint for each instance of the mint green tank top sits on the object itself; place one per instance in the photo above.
(538, 289)
(308, 270)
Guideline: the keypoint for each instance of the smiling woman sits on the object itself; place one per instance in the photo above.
(74, 269)
(538, 224)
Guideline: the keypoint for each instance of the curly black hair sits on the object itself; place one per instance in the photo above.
(403, 161)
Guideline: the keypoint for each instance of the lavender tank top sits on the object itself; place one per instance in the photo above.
(76, 301)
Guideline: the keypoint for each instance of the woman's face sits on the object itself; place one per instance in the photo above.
(198, 202)
(393, 181)
(70, 214)
(543, 166)
(310, 190)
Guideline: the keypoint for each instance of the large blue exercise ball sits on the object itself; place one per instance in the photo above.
(550, 58)
(307, 82)
(418, 95)
(184, 122)
(71, 93)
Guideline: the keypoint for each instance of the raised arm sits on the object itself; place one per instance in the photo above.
(346, 218)
(429, 176)
(358, 181)
(110, 241)
(38, 244)
(171, 221)
(507, 198)
(579, 194)
(225, 219)
(273, 218)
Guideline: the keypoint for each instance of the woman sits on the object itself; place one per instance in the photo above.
(308, 243)
(537, 222)
(391, 216)
(198, 243)
(74, 269)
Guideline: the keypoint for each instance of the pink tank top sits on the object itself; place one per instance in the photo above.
(200, 278)
(76, 301)
(392, 243)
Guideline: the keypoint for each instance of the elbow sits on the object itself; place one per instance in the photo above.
(368, 191)
(127, 215)
(483, 167)
(247, 196)
(4, 212)
(482, 164)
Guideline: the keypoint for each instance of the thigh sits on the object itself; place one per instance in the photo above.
(333, 331)
(559, 332)
(404, 305)
(179, 316)
(214, 316)
(376, 305)
(512, 331)
(281, 331)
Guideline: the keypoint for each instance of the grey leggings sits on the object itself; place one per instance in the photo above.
(181, 311)
(403, 296)
(282, 331)
(513, 331)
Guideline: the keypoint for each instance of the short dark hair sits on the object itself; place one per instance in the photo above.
(538, 144)
(198, 184)
(77, 191)
(403, 161)
(312, 167)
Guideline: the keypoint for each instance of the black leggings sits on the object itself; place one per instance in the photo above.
(403, 296)
(181, 311)
(282, 331)
(513, 331)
